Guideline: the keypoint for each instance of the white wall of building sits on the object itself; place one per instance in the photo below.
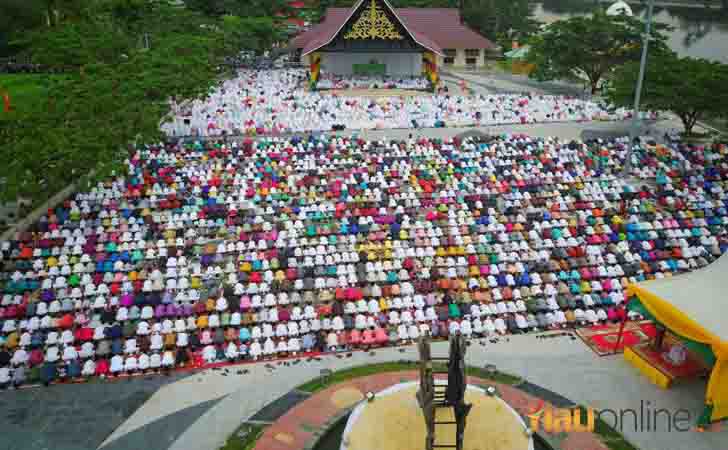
(398, 64)
(460, 60)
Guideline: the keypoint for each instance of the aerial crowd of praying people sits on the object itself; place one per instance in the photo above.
(331, 81)
(275, 102)
(209, 252)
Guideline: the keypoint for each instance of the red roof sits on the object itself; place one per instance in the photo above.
(297, 4)
(443, 26)
(296, 21)
(434, 28)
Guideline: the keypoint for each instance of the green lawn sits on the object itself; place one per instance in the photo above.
(246, 443)
(28, 93)
(719, 123)
(355, 372)
(611, 437)
(371, 369)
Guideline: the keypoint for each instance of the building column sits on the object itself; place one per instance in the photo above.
(460, 57)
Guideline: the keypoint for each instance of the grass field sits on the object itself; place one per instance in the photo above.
(235, 442)
(317, 384)
(719, 123)
(28, 94)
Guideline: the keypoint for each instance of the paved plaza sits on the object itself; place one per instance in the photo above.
(200, 410)
(562, 365)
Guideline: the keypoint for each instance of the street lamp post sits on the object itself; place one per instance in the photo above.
(635, 128)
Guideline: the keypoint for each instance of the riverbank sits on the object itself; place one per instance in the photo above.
(697, 31)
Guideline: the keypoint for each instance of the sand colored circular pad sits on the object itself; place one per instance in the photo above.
(285, 438)
(346, 397)
(394, 421)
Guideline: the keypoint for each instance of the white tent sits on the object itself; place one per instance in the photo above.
(702, 295)
(693, 306)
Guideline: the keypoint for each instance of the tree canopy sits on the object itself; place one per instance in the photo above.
(691, 88)
(590, 46)
(123, 60)
(242, 8)
(501, 20)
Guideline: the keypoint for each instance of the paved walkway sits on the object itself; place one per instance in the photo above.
(72, 416)
(561, 130)
(497, 82)
(299, 427)
(561, 365)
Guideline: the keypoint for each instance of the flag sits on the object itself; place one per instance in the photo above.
(315, 69)
(430, 67)
(6, 102)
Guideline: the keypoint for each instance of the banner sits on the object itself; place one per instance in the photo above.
(315, 69)
(369, 69)
(429, 67)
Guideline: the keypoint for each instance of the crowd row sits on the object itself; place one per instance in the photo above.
(212, 252)
(372, 82)
(279, 101)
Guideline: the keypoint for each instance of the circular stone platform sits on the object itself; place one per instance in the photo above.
(394, 421)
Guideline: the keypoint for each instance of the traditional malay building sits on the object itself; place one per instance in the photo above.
(372, 38)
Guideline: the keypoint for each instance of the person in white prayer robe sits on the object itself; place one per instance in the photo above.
(466, 327)
(89, 368)
(500, 325)
(131, 364)
(255, 350)
(144, 362)
(168, 359)
(269, 347)
(332, 342)
(231, 352)
(117, 364)
(294, 345)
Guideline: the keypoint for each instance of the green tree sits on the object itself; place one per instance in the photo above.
(242, 8)
(116, 90)
(16, 16)
(691, 88)
(255, 33)
(501, 20)
(76, 44)
(590, 46)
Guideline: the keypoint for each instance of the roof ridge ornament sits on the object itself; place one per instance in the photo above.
(373, 23)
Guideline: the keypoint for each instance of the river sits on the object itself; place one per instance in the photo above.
(698, 32)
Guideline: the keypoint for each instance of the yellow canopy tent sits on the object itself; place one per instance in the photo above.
(693, 306)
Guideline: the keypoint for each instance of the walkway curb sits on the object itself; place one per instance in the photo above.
(38, 212)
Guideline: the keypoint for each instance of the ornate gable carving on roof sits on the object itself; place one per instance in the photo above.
(373, 23)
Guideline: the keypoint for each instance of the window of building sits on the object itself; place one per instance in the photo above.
(450, 55)
(472, 52)
(471, 61)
